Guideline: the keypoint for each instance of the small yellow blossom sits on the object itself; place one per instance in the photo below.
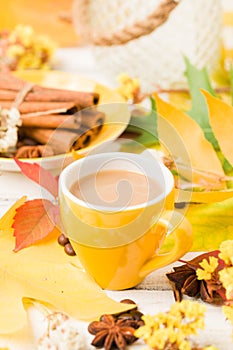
(226, 252)
(226, 277)
(173, 327)
(210, 348)
(208, 267)
(129, 87)
(22, 48)
(22, 33)
(15, 50)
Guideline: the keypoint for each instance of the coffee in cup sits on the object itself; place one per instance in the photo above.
(117, 209)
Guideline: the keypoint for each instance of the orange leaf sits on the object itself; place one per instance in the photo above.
(6, 219)
(39, 175)
(191, 137)
(33, 221)
(221, 120)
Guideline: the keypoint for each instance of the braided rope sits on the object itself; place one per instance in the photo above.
(138, 29)
(81, 20)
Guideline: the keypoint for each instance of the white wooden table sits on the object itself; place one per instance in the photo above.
(154, 294)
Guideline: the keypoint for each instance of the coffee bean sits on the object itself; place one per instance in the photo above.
(69, 249)
(126, 316)
(63, 240)
(127, 301)
(136, 314)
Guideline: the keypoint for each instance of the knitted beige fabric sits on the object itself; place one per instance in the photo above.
(156, 18)
(192, 28)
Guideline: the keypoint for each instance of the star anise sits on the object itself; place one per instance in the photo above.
(184, 282)
(110, 332)
(116, 331)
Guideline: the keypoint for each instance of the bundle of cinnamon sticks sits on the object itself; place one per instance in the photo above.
(52, 120)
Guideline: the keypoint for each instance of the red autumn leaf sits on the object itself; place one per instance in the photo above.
(41, 176)
(33, 221)
(195, 263)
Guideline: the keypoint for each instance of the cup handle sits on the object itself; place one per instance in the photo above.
(183, 238)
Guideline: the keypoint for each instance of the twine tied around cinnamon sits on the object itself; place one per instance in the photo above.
(140, 28)
(10, 120)
(22, 94)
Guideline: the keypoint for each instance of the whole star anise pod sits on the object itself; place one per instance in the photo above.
(111, 332)
(116, 331)
(184, 281)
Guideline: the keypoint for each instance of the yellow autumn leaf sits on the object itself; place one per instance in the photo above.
(203, 196)
(211, 223)
(45, 273)
(221, 121)
(201, 153)
(205, 179)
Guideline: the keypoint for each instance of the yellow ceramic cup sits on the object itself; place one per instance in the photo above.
(118, 247)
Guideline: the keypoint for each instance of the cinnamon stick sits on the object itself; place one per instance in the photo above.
(61, 141)
(92, 118)
(51, 117)
(36, 151)
(51, 121)
(7, 95)
(10, 85)
(81, 99)
(10, 82)
(30, 107)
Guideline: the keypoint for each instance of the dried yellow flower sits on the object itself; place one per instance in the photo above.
(22, 48)
(226, 277)
(22, 33)
(129, 87)
(208, 267)
(174, 327)
(14, 50)
(226, 252)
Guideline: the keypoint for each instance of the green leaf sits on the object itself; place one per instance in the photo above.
(198, 79)
(144, 126)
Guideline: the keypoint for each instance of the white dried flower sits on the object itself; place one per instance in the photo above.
(9, 122)
(62, 334)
